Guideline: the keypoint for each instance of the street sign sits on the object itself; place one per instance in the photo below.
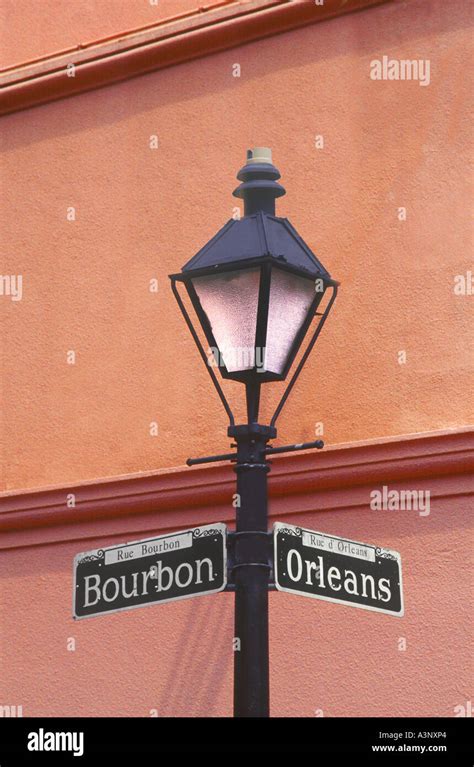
(335, 569)
(175, 566)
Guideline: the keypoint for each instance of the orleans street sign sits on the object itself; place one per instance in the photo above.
(176, 566)
(337, 570)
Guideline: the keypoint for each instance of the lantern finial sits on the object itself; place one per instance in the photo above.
(259, 154)
(259, 188)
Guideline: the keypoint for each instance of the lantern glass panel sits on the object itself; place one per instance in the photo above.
(230, 301)
(290, 299)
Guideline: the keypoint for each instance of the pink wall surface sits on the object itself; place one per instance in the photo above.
(177, 658)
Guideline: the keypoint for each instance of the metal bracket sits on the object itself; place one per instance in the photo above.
(317, 445)
(231, 564)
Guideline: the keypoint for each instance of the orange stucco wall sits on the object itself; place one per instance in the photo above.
(140, 214)
(60, 24)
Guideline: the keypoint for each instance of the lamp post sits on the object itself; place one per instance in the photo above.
(255, 288)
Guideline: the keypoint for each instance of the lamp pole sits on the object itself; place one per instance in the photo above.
(255, 282)
(251, 572)
(251, 548)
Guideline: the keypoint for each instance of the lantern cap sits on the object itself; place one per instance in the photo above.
(257, 237)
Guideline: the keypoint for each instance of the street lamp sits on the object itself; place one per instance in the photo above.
(255, 288)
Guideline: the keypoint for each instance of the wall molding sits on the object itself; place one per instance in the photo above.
(209, 29)
(338, 477)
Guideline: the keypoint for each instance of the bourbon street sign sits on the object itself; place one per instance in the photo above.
(176, 566)
(337, 570)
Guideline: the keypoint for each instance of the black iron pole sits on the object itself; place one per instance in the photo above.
(251, 571)
(249, 556)
(251, 565)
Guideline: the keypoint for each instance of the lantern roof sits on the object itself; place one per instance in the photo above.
(260, 235)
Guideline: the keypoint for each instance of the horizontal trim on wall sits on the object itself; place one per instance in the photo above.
(208, 30)
(339, 477)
